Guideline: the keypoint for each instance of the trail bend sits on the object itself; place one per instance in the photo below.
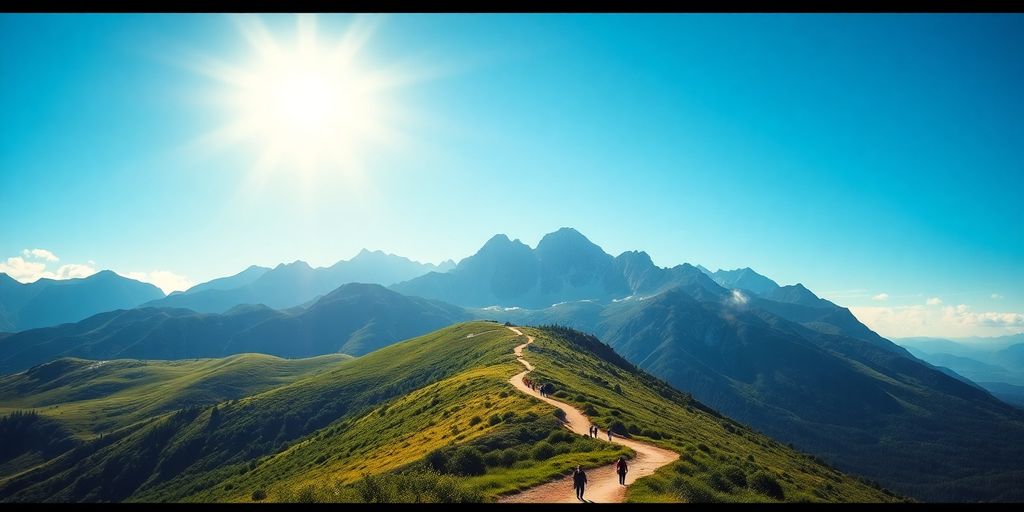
(602, 482)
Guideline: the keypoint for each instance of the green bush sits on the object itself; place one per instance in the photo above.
(735, 475)
(560, 436)
(653, 434)
(766, 484)
(474, 420)
(590, 410)
(694, 492)
(492, 459)
(560, 414)
(467, 461)
(259, 495)
(510, 456)
(437, 460)
(493, 420)
(414, 487)
(543, 451)
(716, 480)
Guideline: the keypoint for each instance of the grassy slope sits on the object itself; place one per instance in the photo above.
(408, 428)
(313, 439)
(91, 397)
(176, 456)
(709, 443)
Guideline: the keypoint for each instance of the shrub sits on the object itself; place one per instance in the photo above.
(438, 461)
(703, 447)
(414, 487)
(717, 480)
(543, 451)
(693, 492)
(467, 461)
(560, 414)
(492, 459)
(653, 434)
(493, 420)
(259, 495)
(590, 410)
(766, 484)
(474, 420)
(508, 416)
(510, 456)
(560, 436)
(735, 475)
(618, 389)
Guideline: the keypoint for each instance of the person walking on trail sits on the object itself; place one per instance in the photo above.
(579, 482)
(609, 435)
(621, 468)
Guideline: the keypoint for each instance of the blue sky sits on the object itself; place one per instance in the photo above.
(877, 159)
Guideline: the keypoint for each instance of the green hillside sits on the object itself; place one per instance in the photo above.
(433, 418)
(91, 397)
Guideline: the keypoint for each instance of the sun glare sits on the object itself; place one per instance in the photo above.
(307, 105)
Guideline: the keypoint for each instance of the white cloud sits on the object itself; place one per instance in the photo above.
(21, 270)
(71, 271)
(946, 321)
(996, 296)
(933, 301)
(25, 271)
(881, 297)
(41, 254)
(164, 279)
(738, 298)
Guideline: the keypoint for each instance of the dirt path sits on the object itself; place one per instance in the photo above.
(602, 483)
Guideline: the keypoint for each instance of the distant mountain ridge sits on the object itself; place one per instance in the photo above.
(293, 284)
(48, 302)
(353, 319)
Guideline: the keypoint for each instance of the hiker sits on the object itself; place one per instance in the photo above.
(579, 482)
(609, 435)
(621, 468)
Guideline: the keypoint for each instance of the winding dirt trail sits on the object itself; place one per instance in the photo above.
(602, 483)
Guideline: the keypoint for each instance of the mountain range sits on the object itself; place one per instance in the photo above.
(354, 319)
(51, 302)
(996, 363)
(294, 284)
(789, 363)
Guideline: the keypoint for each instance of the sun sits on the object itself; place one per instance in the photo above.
(306, 104)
